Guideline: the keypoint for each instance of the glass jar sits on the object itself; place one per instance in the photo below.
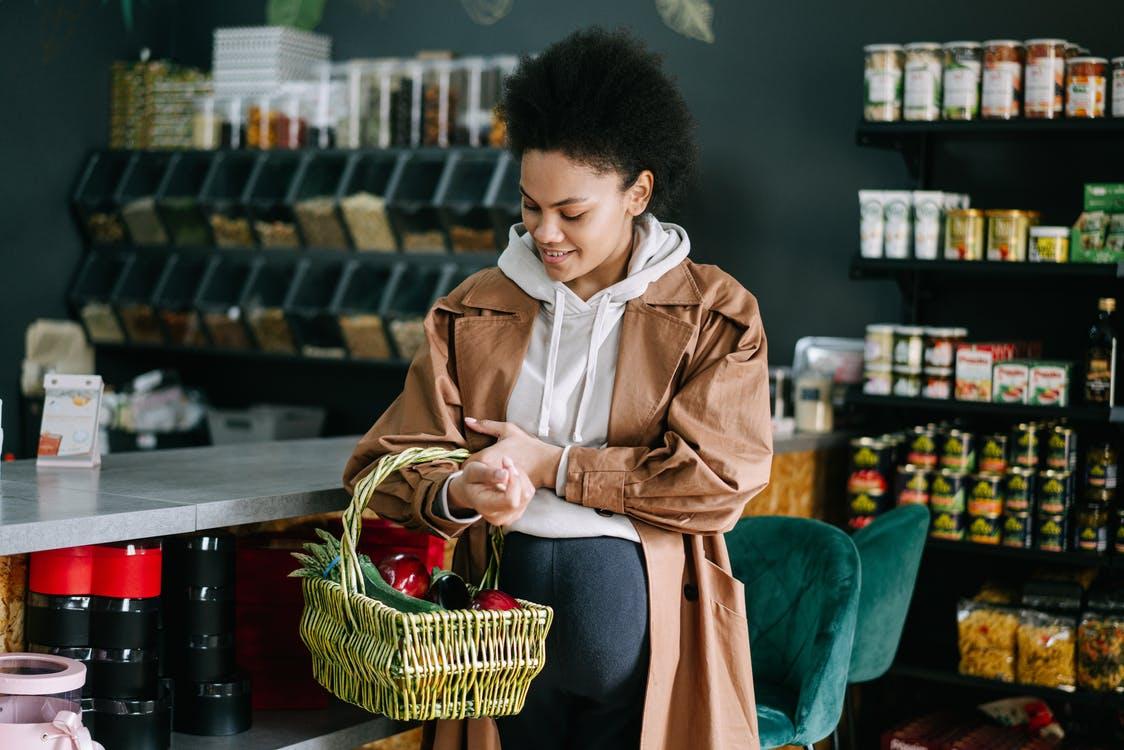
(1045, 78)
(883, 82)
(924, 66)
(442, 95)
(962, 64)
(1118, 87)
(1002, 79)
(206, 130)
(232, 122)
(328, 107)
(503, 67)
(1085, 87)
(288, 122)
(474, 114)
(406, 105)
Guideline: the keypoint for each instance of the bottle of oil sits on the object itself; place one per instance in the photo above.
(1100, 356)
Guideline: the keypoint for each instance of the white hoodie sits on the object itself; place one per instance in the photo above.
(564, 391)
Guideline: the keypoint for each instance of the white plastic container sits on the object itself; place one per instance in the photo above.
(264, 423)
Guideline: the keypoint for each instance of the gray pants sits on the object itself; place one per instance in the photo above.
(590, 694)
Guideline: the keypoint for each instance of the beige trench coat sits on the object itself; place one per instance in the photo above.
(689, 442)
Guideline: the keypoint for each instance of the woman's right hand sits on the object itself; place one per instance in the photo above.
(499, 494)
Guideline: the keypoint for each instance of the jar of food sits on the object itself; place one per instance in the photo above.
(1002, 79)
(924, 68)
(962, 63)
(1091, 528)
(1045, 78)
(940, 346)
(1086, 87)
(882, 80)
(937, 383)
(206, 130)
(907, 384)
(1048, 245)
(964, 234)
(879, 349)
(909, 349)
(877, 381)
(1100, 466)
(1118, 87)
(1007, 234)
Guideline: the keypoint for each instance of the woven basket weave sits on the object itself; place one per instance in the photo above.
(451, 664)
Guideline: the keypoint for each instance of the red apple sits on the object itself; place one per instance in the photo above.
(494, 599)
(407, 574)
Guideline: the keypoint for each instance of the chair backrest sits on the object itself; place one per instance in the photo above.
(802, 582)
(890, 553)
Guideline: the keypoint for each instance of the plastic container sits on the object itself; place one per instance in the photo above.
(178, 199)
(309, 309)
(1045, 79)
(924, 73)
(133, 724)
(136, 195)
(329, 103)
(135, 295)
(92, 296)
(444, 94)
(213, 708)
(221, 198)
(883, 82)
(473, 115)
(503, 200)
(175, 300)
(411, 203)
(362, 200)
(263, 304)
(1002, 88)
(359, 308)
(1086, 87)
(963, 62)
(62, 572)
(124, 623)
(57, 621)
(232, 123)
(218, 304)
(124, 673)
(127, 570)
(460, 200)
(206, 124)
(406, 105)
(33, 689)
(413, 294)
(370, 86)
(312, 195)
(264, 423)
(95, 197)
(199, 560)
(77, 653)
(265, 196)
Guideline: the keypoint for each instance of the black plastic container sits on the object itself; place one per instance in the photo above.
(221, 198)
(177, 199)
(217, 303)
(504, 201)
(124, 623)
(136, 194)
(309, 309)
(461, 197)
(95, 200)
(263, 305)
(213, 708)
(175, 300)
(199, 560)
(89, 718)
(360, 306)
(57, 621)
(92, 296)
(121, 724)
(202, 658)
(123, 673)
(265, 196)
(78, 653)
(312, 196)
(415, 290)
(208, 610)
(135, 298)
(411, 205)
(362, 200)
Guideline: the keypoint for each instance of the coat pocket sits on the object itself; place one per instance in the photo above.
(726, 640)
(727, 592)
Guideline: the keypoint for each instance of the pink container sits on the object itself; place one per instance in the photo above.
(41, 703)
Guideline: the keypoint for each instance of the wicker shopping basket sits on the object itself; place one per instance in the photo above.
(450, 664)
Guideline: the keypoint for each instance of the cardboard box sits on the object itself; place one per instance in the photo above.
(974, 364)
(1011, 382)
(1098, 234)
(1049, 383)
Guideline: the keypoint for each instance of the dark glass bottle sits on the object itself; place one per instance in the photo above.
(1100, 356)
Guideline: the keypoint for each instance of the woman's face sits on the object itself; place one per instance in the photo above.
(579, 219)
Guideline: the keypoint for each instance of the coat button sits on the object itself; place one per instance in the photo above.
(604, 513)
(691, 591)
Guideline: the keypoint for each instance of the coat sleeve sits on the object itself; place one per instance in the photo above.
(717, 446)
(427, 414)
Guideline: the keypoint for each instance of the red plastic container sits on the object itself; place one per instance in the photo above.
(129, 570)
(381, 538)
(62, 572)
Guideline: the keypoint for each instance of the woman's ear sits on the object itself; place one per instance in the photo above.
(639, 194)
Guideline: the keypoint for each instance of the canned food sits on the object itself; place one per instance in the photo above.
(937, 383)
(958, 451)
(909, 348)
(1099, 495)
(1007, 234)
(895, 444)
(946, 493)
(964, 234)
(877, 382)
(869, 480)
(985, 495)
(1018, 490)
(1049, 245)
(1024, 445)
(1100, 466)
(985, 529)
(878, 351)
(1051, 534)
(993, 453)
(1091, 528)
(1018, 530)
(940, 347)
(948, 525)
(1061, 449)
(1054, 492)
(912, 485)
(907, 385)
(922, 448)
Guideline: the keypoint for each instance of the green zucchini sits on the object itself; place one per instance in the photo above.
(376, 587)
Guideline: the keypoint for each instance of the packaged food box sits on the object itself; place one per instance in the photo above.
(1098, 234)
(1049, 383)
(1102, 196)
(974, 364)
(1010, 382)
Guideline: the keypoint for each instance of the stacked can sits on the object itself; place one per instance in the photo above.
(1092, 518)
(57, 618)
(211, 697)
(868, 484)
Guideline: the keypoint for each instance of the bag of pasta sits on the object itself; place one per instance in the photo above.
(987, 636)
(1100, 651)
(1047, 650)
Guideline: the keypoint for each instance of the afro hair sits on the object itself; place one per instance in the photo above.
(602, 99)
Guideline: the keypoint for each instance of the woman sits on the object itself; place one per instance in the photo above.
(615, 398)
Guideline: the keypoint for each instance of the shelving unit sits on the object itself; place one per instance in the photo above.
(1079, 413)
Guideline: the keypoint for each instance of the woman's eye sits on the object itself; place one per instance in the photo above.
(530, 208)
(572, 218)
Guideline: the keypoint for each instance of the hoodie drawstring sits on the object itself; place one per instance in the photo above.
(552, 363)
(591, 365)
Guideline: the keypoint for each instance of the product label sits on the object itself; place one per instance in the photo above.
(897, 228)
(882, 86)
(1085, 96)
(1001, 83)
(961, 86)
(1049, 385)
(922, 89)
(1045, 84)
(871, 224)
(1118, 93)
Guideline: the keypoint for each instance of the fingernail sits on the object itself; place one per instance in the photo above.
(469, 419)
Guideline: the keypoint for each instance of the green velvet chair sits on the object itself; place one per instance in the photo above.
(802, 593)
(890, 553)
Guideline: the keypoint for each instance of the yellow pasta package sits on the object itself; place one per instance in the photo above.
(987, 637)
(1047, 649)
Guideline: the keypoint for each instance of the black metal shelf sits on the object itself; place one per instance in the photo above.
(1074, 558)
(884, 134)
(365, 257)
(256, 355)
(1088, 414)
(886, 268)
(955, 679)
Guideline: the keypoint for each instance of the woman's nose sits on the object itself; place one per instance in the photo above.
(548, 232)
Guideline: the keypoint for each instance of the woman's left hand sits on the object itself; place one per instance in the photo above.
(538, 460)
